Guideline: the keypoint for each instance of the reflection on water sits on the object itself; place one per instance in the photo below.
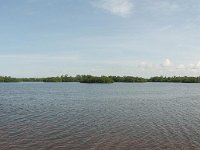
(122, 116)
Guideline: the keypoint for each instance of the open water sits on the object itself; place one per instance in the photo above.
(119, 116)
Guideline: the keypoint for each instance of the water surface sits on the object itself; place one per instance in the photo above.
(124, 116)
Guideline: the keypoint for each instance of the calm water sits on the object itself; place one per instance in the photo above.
(74, 116)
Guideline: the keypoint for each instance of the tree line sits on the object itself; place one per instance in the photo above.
(103, 79)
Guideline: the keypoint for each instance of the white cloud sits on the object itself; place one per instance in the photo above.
(181, 66)
(194, 67)
(171, 69)
(167, 63)
(146, 65)
(198, 65)
(121, 8)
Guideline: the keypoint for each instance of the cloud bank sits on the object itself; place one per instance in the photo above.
(168, 66)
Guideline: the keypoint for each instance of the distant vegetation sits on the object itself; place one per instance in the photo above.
(93, 79)
(127, 79)
(175, 79)
(102, 79)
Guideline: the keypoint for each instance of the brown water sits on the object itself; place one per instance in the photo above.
(119, 116)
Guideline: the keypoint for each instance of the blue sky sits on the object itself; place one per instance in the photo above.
(40, 38)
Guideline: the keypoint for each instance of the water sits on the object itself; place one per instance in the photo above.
(119, 116)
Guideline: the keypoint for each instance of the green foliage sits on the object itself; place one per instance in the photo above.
(31, 79)
(102, 79)
(1, 79)
(8, 79)
(52, 79)
(175, 79)
(67, 78)
(127, 79)
(94, 79)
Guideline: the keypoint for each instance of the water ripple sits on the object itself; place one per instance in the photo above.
(95, 117)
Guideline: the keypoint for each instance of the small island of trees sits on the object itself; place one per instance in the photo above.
(103, 79)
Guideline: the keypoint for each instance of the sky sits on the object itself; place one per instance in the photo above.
(40, 38)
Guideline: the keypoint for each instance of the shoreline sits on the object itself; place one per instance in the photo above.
(103, 79)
